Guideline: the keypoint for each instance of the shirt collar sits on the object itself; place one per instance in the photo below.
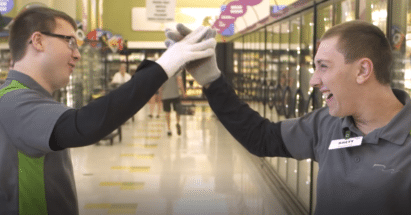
(396, 131)
(27, 81)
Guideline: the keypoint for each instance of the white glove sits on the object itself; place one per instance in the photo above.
(204, 70)
(188, 49)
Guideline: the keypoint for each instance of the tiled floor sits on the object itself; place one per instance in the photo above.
(203, 171)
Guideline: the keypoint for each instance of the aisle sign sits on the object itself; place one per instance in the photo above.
(160, 10)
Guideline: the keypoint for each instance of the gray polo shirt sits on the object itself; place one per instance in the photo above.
(374, 178)
(34, 179)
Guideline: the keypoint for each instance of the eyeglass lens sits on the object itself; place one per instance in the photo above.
(73, 43)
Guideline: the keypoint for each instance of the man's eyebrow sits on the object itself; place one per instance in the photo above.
(321, 61)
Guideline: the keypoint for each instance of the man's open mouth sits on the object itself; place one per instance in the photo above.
(327, 96)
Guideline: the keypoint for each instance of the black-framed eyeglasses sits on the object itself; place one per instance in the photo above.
(72, 41)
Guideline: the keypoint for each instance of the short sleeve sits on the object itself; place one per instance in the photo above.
(28, 119)
(302, 135)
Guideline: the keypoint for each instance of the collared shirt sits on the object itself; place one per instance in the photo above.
(373, 178)
(34, 179)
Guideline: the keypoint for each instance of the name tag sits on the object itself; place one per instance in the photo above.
(345, 143)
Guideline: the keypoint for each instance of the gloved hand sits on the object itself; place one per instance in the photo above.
(204, 70)
(187, 49)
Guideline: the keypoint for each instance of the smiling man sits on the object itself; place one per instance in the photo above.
(36, 132)
(361, 140)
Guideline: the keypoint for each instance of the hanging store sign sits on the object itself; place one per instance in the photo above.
(6, 6)
(225, 23)
(161, 10)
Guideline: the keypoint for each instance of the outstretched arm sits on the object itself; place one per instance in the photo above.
(257, 134)
(100, 117)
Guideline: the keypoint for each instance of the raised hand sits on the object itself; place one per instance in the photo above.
(191, 47)
(204, 70)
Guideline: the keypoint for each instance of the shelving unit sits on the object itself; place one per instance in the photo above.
(5, 57)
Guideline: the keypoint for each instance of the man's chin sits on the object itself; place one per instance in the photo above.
(335, 113)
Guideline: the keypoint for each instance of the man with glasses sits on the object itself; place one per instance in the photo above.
(36, 132)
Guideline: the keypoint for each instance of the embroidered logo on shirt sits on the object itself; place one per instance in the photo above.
(384, 168)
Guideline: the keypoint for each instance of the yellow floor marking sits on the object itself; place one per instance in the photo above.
(98, 206)
(146, 137)
(132, 168)
(124, 185)
(138, 156)
(123, 209)
(139, 169)
(150, 130)
(114, 208)
(147, 146)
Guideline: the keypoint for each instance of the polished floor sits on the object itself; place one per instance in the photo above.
(203, 171)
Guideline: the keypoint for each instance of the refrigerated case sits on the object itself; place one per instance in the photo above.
(375, 12)
(261, 78)
(306, 58)
(290, 44)
(344, 11)
(401, 43)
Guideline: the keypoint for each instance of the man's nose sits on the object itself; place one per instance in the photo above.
(76, 55)
(315, 80)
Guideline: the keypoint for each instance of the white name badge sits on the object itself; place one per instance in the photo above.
(345, 143)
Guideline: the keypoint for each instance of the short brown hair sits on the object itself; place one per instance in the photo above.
(358, 39)
(30, 21)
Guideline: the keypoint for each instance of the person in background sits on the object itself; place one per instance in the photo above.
(121, 76)
(155, 101)
(37, 132)
(361, 139)
(170, 94)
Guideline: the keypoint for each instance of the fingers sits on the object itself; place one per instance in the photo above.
(197, 35)
(206, 44)
(210, 34)
(202, 54)
(183, 30)
(169, 43)
(174, 35)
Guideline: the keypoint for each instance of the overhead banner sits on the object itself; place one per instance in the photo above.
(160, 10)
(232, 11)
(6, 6)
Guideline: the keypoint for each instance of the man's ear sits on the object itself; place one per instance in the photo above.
(36, 41)
(365, 70)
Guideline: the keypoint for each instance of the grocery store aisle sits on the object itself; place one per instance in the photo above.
(203, 171)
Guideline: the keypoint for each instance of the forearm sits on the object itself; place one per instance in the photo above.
(257, 134)
(100, 117)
